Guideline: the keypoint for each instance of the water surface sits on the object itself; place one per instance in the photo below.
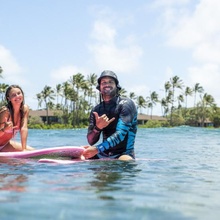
(176, 176)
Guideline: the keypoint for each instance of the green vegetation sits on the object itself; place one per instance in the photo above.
(74, 99)
(155, 124)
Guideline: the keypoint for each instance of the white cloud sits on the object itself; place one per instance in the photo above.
(207, 75)
(103, 33)
(162, 3)
(139, 90)
(107, 54)
(12, 71)
(198, 31)
(8, 62)
(64, 73)
(202, 26)
(208, 52)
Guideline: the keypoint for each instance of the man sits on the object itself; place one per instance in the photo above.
(116, 118)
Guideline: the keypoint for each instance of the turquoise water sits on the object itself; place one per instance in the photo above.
(176, 176)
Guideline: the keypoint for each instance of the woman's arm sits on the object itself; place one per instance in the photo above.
(24, 128)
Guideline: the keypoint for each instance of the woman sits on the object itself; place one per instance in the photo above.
(14, 118)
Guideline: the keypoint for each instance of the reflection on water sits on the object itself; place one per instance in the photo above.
(176, 176)
(13, 182)
(110, 176)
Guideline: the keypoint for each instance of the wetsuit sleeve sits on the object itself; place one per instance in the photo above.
(93, 134)
(127, 118)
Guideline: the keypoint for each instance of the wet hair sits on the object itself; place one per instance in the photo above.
(9, 105)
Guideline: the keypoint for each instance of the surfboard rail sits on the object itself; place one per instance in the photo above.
(52, 152)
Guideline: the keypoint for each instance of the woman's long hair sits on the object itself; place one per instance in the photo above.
(10, 107)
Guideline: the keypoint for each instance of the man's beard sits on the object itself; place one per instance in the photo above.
(109, 92)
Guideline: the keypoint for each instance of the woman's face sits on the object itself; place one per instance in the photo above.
(15, 96)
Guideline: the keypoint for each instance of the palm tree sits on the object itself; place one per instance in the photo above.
(92, 82)
(167, 87)
(50, 105)
(180, 99)
(1, 70)
(141, 103)
(78, 82)
(47, 95)
(58, 92)
(197, 89)
(132, 96)
(3, 88)
(86, 88)
(176, 82)
(66, 88)
(152, 100)
(206, 101)
(72, 96)
(123, 92)
(164, 106)
(39, 99)
(188, 92)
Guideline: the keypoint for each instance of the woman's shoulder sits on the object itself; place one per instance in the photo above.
(26, 108)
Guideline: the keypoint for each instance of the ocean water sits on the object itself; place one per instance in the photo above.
(176, 176)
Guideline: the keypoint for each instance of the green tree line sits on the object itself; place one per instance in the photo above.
(74, 99)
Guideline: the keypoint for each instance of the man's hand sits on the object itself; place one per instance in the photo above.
(102, 121)
(89, 151)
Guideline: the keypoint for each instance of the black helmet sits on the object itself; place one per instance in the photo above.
(110, 74)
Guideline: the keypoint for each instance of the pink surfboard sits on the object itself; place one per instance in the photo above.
(53, 152)
(72, 161)
(62, 161)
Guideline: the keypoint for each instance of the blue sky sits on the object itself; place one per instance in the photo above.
(145, 42)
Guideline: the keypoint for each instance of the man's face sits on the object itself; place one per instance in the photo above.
(108, 86)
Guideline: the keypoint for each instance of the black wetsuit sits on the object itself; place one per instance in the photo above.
(119, 135)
